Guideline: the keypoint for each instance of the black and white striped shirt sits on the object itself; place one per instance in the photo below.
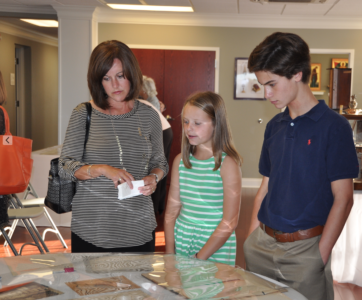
(98, 216)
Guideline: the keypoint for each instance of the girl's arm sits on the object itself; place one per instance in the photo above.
(231, 177)
(173, 206)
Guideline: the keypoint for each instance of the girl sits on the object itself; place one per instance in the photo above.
(205, 193)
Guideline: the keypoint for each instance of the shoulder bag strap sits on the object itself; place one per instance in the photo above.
(87, 125)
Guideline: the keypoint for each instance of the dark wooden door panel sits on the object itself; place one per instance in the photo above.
(186, 72)
(177, 74)
(152, 63)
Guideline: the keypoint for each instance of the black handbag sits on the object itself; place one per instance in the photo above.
(61, 191)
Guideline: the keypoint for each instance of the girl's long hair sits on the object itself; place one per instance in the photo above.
(213, 105)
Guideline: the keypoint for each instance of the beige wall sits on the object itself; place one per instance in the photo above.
(43, 107)
(237, 42)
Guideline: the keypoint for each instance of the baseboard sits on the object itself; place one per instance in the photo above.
(251, 182)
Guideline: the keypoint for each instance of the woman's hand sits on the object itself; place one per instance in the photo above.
(150, 185)
(118, 176)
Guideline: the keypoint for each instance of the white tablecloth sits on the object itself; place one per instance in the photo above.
(347, 253)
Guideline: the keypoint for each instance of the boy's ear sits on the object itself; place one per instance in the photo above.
(298, 77)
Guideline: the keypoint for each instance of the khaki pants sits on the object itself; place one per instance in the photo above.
(297, 264)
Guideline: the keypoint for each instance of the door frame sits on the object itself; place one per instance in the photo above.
(190, 48)
(350, 53)
(20, 90)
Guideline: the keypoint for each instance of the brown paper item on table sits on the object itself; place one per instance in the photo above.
(102, 285)
(129, 295)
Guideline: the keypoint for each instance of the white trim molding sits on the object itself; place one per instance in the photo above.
(251, 182)
(192, 48)
(27, 34)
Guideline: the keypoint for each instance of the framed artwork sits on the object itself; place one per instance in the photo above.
(246, 85)
(340, 63)
(315, 77)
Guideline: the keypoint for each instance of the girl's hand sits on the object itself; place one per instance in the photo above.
(118, 176)
(150, 185)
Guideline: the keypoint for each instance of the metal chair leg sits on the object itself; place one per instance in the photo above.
(11, 231)
(38, 235)
(55, 229)
(9, 241)
(30, 191)
(28, 227)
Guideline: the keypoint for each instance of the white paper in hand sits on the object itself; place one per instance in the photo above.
(125, 192)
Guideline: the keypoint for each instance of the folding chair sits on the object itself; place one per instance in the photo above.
(37, 202)
(25, 215)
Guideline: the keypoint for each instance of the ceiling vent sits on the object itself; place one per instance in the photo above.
(288, 1)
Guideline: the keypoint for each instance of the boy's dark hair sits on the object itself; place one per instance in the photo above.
(283, 54)
(101, 61)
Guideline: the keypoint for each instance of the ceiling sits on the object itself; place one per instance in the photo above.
(331, 14)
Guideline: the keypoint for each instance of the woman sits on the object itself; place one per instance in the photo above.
(4, 201)
(124, 144)
(149, 92)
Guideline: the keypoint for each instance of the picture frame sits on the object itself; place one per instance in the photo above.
(246, 85)
(340, 63)
(315, 77)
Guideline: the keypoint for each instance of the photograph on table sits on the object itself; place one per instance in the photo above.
(246, 85)
(340, 63)
(28, 291)
(102, 285)
(315, 77)
(121, 263)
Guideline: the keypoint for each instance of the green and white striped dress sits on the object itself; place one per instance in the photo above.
(202, 197)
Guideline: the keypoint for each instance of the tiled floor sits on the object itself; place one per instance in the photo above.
(341, 291)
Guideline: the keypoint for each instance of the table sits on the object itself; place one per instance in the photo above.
(346, 254)
(131, 276)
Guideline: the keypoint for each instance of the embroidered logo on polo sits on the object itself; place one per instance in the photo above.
(309, 142)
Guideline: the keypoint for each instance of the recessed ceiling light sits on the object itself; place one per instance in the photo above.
(151, 7)
(42, 23)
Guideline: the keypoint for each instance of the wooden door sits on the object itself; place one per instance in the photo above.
(177, 74)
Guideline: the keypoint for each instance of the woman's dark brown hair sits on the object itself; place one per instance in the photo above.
(213, 105)
(100, 63)
(283, 54)
(3, 94)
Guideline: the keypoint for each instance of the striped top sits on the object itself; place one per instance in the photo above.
(98, 216)
(201, 192)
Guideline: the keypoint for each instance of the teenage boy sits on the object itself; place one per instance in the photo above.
(307, 161)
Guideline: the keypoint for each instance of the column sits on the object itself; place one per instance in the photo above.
(77, 36)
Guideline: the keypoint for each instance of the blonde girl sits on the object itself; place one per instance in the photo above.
(205, 193)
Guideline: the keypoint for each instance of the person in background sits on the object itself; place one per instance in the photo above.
(4, 199)
(205, 194)
(124, 145)
(148, 92)
(308, 161)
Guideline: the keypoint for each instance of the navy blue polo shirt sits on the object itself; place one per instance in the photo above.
(301, 157)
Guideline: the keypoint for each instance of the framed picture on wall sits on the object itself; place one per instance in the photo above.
(315, 77)
(246, 85)
(339, 63)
